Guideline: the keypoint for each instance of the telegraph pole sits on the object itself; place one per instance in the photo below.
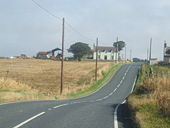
(150, 53)
(117, 58)
(130, 54)
(125, 52)
(62, 57)
(96, 59)
(147, 54)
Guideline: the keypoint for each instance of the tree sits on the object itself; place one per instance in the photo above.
(79, 49)
(119, 44)
(138, 60)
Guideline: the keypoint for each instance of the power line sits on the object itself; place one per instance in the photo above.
(44, 9)
(68, 24)
(78, 32)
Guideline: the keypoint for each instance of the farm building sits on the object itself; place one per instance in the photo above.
(105, 53)
(166, 53)
(43, 55)
(49, 54)
(22, 56)
(153, 61)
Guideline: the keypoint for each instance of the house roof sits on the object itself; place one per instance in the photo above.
(105, 48)
(56, 49)
(23, 55)
(42, 53)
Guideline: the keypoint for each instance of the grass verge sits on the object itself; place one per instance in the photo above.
(95, 85)
(150, 101)
(10, 90)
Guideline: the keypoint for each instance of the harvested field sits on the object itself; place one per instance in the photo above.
(43, 76)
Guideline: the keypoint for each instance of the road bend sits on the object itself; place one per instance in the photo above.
(98, 110)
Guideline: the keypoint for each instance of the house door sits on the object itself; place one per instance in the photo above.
(105, 57)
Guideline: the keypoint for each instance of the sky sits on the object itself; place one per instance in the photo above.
(27, 29)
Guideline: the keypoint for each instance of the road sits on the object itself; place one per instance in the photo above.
(98, 110)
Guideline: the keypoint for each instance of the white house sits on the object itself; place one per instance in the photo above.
(105, 53)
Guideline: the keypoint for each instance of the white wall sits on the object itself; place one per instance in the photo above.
(108, 54)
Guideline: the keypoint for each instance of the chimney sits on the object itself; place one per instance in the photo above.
(165, 44)
(94, 47)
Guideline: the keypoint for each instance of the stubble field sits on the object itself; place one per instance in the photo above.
(27, 79)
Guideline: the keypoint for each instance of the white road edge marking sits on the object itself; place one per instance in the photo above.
(21, 124)
(115, 115)
(134, 84)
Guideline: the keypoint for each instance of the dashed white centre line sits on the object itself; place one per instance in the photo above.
(60, 105)
(21, 124)
(99, 99)
(115, 90)
(111, 94)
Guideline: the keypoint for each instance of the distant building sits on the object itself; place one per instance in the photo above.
(105, 53)
(166, 53)
(153, 61)
(43, 55)
(49, 54)
(12, 57)
(22, 56)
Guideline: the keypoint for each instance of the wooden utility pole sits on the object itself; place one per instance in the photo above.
(147, 57)
(62, 58)
(125, 52)
(130, 54)
(150, 52)
(117, 54)
(96, 59)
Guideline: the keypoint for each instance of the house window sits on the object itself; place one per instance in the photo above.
(105, 57)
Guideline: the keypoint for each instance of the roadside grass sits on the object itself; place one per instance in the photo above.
(95, 85)
(150, 101)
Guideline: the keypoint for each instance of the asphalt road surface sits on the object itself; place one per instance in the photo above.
(98, 110)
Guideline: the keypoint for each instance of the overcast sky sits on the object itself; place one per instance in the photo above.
(25, 28)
